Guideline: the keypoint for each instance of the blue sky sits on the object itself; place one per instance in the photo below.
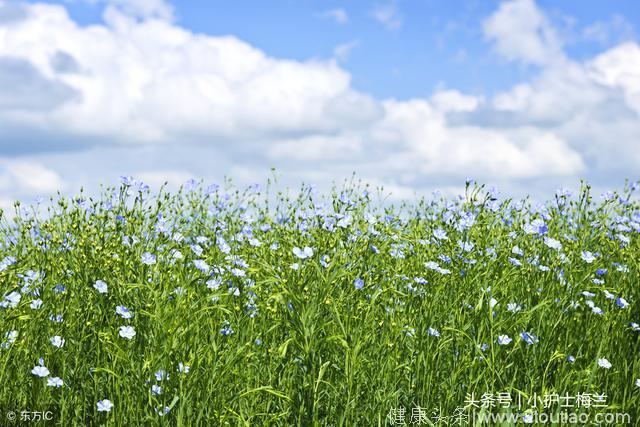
(437, 43)
(529, 95)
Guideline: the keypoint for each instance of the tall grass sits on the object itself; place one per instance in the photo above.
(388, 307)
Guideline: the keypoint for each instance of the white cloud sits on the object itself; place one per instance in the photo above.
(26, 177)
(318, 147)
(453, 100)
(553, 97)
(142, 9)
(521, 32)
(593, 106)
(338, 15)
(155, 100)
(173, 83)
(6, 205)
(434, 147)
(614, 30)
(343, 51)
(619, 68)
(388, 15)
(416, 136)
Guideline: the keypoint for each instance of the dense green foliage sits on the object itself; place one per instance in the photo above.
(252, 308)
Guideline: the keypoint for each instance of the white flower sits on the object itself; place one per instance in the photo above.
(307, 252)
(161, 375)
(100, 286)
(36, 304)
(432, 265)
(57, 341)
(104, 405)
(514, 307)
(54, 382)
(621, 302)
(11, 337)
(433, 332)
(11, 300)
(148, 258)
(127, 332)
(466, 246)
(40, 371)
(552, 243)
(604, 363)
(201, 265)
(529, 338)
(214, 283)
(440, 234)
(124, 312)
(504, 340)
(237, 272)
(587, 257)
(345, 221)
(57, 318)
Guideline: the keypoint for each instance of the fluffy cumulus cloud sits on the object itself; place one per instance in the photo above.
(142, 93)
(619, 68)
(152, 81)
(522, 32)
(26, 178)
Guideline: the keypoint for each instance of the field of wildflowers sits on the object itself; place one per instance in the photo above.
(224, 306)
